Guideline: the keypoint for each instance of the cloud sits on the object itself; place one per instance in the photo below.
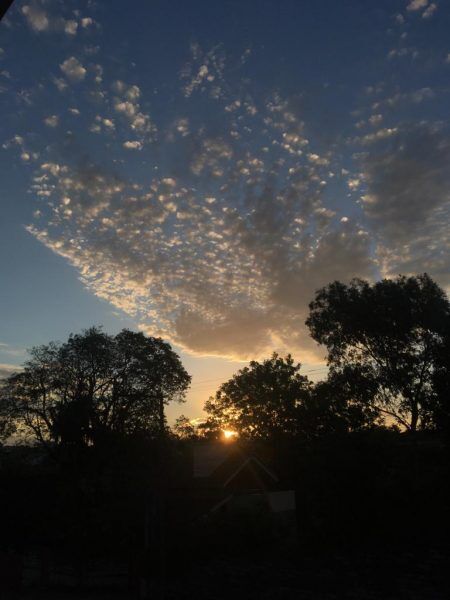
(40, 20)
(408, 200)
(6, 370)
(70, 27)
(132, 145)
(12, 350)
(415, 5)
(126, 104)
(17, 141)
(381, 134)
(204, 72)
(73, 69)
(375, 119)
(102, 125)
(429, 12)
(36, 17)
(402, 52)
(218, 236)
(428, 8)
(60, 83)
(415, 97)
(52, 121)
(222, 251)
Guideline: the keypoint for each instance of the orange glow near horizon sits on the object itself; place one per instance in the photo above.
(229, 435)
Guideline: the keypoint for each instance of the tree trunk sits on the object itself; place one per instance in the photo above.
(414, 416)
(162, 420)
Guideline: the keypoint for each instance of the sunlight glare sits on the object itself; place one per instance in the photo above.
(228, 434)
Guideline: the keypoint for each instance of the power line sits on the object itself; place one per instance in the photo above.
(208, 381)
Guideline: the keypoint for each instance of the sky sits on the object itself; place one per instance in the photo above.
(197, 170)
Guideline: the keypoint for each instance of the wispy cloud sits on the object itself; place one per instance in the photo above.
(408, 197)
(6, 370)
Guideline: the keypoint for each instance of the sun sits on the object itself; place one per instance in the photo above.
(228, 434)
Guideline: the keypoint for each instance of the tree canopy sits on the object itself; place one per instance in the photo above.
(385, 340)
(94, 385)
(271, 399)
(261, 400)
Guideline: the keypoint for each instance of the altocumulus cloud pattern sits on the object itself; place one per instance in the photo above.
(212, 220)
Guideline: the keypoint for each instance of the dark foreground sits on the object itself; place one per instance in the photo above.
(422, 575)
(371, 521)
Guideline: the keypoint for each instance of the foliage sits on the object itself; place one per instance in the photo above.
(441, 383)
(262, 400)
(385, 337)
(95, 386)
(338, 405)
(184, 429)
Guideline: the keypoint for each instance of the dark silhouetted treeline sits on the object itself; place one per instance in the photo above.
(99, 496)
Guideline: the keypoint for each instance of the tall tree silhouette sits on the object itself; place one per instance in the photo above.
(385, 338)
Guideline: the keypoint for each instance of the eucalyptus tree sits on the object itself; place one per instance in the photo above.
(388, 340)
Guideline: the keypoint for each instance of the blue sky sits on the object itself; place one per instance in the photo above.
(198, 169)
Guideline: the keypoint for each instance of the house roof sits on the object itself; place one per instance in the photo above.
(222, 463)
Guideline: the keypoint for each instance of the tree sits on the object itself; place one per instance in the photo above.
(262, 400)
(95, 386)
(384, 339)
(441, 383)
(339, 405)
(184, 428)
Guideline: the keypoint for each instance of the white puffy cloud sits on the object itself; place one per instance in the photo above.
(126, 103)
(25, 154)
(70, 27)
(36, 17)
(73, 69)
(132, 145)
(415, 5)
(52, 121)
(102, 125)
(40, 18)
